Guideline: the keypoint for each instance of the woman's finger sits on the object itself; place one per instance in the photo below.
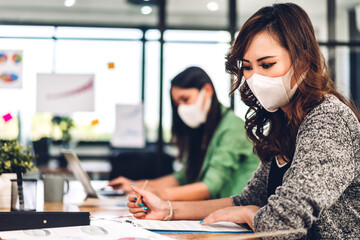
(135, 210)
(230, 214)
(216, 216)
(138, 209)
(208, 220)
(139, 215)
(135, 199)
(132, 205)
(132, 198)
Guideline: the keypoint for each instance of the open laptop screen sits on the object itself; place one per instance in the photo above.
(79, 172)
(84, 178)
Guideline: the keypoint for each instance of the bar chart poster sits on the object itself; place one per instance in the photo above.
(65, 93)
(11, 68)
(129, 127)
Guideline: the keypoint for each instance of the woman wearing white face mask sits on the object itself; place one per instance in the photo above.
(306, 134)
(217, 158)
(216, 154)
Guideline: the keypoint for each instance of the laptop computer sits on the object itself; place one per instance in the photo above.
(84, 178)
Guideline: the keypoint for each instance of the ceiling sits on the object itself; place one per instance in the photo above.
(180, 13)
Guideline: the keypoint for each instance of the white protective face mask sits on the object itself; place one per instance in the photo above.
(194, 115)
(272, 93)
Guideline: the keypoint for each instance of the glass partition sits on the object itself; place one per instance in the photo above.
(119, 84)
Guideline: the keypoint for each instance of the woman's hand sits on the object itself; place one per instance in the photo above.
(239, 214)
(121, 183)
(149, 207)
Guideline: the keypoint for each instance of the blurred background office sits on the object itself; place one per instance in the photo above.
(133, 48)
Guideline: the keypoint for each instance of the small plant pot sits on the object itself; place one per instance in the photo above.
(27, 200)
(5, 190)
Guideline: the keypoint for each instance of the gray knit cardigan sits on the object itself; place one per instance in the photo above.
(321, 189)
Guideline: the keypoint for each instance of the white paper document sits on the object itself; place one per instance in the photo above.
(105, 230)
(187, 226)
(190, 226)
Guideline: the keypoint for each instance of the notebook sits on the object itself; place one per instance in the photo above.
(84, 178)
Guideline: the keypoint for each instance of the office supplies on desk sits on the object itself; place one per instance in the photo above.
(84, 178)
(35, 220)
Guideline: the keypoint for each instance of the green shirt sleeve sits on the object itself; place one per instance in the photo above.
(222, 164)
(180, 176)
(230, 161)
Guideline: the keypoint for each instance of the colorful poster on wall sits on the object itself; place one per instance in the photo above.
(11, 67)
(65, 93)
(129, 127)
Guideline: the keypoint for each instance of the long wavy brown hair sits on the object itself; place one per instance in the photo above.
(275, 133)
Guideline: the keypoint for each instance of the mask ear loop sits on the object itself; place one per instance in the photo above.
(200, 99)
(302, 77)
(243, 79)
(239, 64)
(297, 82)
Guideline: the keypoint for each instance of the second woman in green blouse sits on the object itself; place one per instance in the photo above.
(217, 158)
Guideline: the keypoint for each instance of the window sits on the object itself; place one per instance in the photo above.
(121, 84)
(37, 57)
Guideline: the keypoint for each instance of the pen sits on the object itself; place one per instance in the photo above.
(144, 187)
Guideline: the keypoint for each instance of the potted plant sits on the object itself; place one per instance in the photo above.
(65, 124)
(15, 158)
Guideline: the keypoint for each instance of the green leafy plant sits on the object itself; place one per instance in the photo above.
(65, 124)
(14, 157)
